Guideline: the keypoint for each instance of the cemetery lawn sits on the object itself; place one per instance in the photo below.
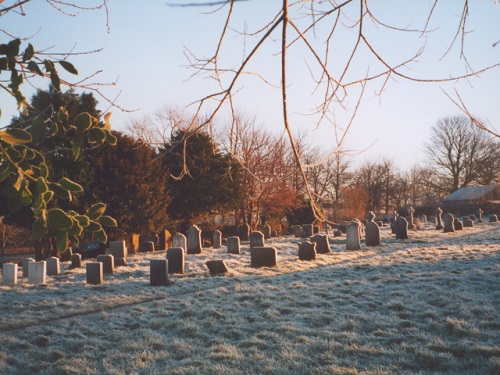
(425, 305)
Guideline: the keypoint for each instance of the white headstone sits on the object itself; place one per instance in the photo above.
(37, 272)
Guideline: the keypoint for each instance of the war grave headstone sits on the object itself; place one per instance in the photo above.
(26, 262)
(119, 251)
(256, 239)
(263, 257)
(53, 266)
(401, 228)
(217, 239)
(307, 250)
(76, 261)
(322, 244)
(158, 272)
(194, 240)
(216, 267)
(175, 257)
(108, 263)
(94, 273)
(9, 272)
(233, 245)
(448, 221)
(37, 272)
(353, 238)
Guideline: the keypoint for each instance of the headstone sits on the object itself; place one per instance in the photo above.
(9, 273)
(53, 266)
(216, 267)
(267, 232)
(322, 245)
(175, 257)
(37, 272)
(297, 231)
(194, 240)
(307, 230)
(423, 219)
(468, 222)
(372, 234)
(108, 263)
(448, 221)
(256, 239)
(217, 239)
(364, 221)
(307, 250)
(401, 228)
(158, 272)
(458, 224)
(244, 232)
(263, 257)
(439, 224)
(233, 245)
(411, 224)
(76, 261)
(146, 247)
(179, 240)
(119, 252)
(472, 217)
(337, 233)
(493, 218)
(135, 242)
(353, 239)
(66, 255)
(26, 262)
(94, 273)
(274, 233)
(165, 238)
(479, 215)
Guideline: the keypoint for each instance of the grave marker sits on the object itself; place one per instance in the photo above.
(194, 240)
(175, 257)
(233, 245)
(158, 272)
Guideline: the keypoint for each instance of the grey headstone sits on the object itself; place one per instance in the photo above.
(411, 223)
(322, 244)
(76, 261)
(267, 232)
(158, 272)
(118, 249)
(37, 272)
(458, 224)
(146, 247)
(307, 250)
(352, 233)
(244, 232)
(372, 234)
(94, 273)
(472, 217)
(256, 239)
(307, 230)
(216, 267)
(479, 215)
(233, 245)
(468, 222)
(53, 266)
(448, 221)
(297, 231)
(217, 239)
(439, 223)
(175, 257)
(108, 263)
(423, 219)
(9, 273)
(194, 240)
(401, 228)
(26, 262)
(263, 257)
(179, 240)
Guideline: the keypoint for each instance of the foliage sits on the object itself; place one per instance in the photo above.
(24, 173)
(133, 181)
(210, 179)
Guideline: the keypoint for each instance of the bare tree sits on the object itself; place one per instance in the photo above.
(462, 153)
(309, 31)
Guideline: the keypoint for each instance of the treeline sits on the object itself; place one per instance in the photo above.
(166, 174)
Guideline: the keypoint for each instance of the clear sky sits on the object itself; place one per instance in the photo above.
(145, 46)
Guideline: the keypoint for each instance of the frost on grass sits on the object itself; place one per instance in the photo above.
(424, 305)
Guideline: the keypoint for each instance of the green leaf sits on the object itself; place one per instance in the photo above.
(96, 135)
(54, 78)
(4, 171)
(13, 48)
(14, 135)
(57, 219)
(93, 227)
(110, 138)
(68, 66)
(47, 197)
(82, 220)
(96, 211)
(34, 68)
(39, 228)
(107, 221)
(54, 129)
(44, 170)
(101, 236)
(49, 66)
(37, 130)
(62, 114)
(70, 185)
(29, 52)
(76, 229)
(41, 186)
(60, 192)
(83, 121)
(61, 241)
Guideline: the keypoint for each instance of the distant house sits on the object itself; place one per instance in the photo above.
(468, 200)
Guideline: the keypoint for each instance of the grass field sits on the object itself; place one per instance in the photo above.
(425, 305)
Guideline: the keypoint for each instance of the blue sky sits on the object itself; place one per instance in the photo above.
(145, 47)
